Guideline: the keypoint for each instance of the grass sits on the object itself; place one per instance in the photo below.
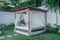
(7, 32)
(43, 36)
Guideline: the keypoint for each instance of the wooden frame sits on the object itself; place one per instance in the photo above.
(21, 11)
(22, 30)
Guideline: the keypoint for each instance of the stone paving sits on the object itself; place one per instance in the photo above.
(15, 34)
(2, 37)
(9, 36)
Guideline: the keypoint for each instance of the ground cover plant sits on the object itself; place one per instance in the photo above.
(9, 26)
(51, 29)
(43, 36)
(50, 34)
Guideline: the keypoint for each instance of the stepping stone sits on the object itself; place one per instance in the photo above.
(58, 31)
(15, 34)
(0, 32)
(9, 36)
(2, 37)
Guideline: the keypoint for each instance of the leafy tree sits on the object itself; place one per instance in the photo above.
(11, 4)
(5, 6)
(52, 4)
(16, 3)
(38, 3)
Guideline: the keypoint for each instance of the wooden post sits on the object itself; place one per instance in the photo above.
(29, 22)
(45, 18)
(14, 20)
(15, 15)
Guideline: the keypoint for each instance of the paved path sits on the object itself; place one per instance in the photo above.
(9, 36)
(15, 34)
(2, 37)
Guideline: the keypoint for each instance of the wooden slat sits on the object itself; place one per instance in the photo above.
(37, 30)
(21, 11)
(22, 30)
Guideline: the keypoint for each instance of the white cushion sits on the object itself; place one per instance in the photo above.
(37, 27)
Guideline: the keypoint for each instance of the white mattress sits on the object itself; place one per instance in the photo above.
(37, 27)
(22, 27)
(31, 27)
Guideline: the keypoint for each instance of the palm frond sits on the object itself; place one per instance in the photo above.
(52, 4)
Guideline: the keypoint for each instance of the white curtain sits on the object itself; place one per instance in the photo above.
(17, 18)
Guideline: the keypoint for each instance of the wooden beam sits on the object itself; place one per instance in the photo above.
(23, 30)
(21, 11)
(37, 30)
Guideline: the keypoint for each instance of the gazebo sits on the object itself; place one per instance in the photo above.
(29, 20)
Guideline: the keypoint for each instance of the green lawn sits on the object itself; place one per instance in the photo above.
(43, 36)
(7, 32)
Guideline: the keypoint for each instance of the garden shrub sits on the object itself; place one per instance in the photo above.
(58, 26)
(54, 30)
(11, 26)
(50, 28)
(3, 26)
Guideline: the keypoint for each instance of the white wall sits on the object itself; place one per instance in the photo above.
(58, 18)
(51, 17)
(6, 17)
